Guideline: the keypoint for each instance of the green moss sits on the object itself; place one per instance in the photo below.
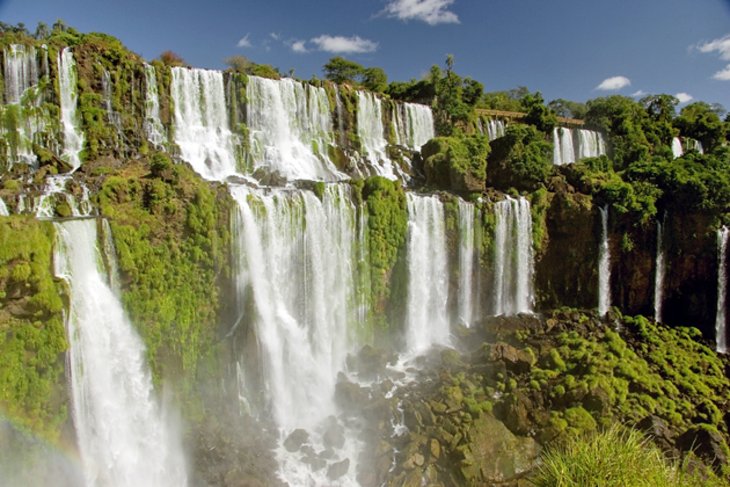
(456, 163)
(32, 332)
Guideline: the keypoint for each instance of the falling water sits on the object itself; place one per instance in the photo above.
(428, 285)
(604, 266)
(153, 127)
(56, 187)
(3, 208)
(290, 126)
(114, 118)
(372, 134)
(721, 320)
(122, 436)
(201, 123)
(340, 114)
(513, 257)
(659, 272)
(495, 128)
(21, 71)
(296, 258)
(73, 139)
(413, 124)
(677, 149)
(694, 144)
(565, 149)
(590, 144)
(466, 262)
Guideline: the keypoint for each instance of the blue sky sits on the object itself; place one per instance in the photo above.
(563, 48)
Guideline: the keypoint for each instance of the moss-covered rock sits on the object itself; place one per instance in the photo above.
(457, 163)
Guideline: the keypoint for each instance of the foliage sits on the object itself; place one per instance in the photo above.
(699, 121)
(32, 332)
(456, 163)
(341, 70)
(537, 114)
(172, 59)
(504, 100)
(612, 457)
(454, 100)
(567, 108)
(522, 159)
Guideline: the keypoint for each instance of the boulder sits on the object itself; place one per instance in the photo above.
(337, 470)
(296, 439)
(705, 442)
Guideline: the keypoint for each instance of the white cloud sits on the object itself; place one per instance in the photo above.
(684, 97)
(299, 46)
(244, 42)
(430, 11)
(723, 74)
(342, 45)
(639, 94)
(720, 46)
(274, 36)
(614, 83)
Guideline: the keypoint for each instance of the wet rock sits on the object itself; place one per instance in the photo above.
(337, 470)
(656, 429)
(351, 397)
(518, 361)
(515, 412)
(707, 443)
(334, 435)
(296, 439)
(435, 448)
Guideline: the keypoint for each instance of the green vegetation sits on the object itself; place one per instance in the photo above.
(341, 70)
(456, 163)
(522, 159)
(615, 456)
(32, 332)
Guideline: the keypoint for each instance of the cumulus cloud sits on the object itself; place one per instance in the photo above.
(344, 45)
(614, 83)
(723, 74)
(244, 42)
(299, 46)
(639, 94)
(720, 46)
(684, 97)
(430, 11)
(274, 35)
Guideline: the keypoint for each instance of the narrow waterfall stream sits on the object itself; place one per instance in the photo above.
(604, 266)
(513, 266)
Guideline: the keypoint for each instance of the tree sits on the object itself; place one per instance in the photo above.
(537, 113)
(699, 121)
(341, 70)
(567, 108)
(623, 120)
(42, 31)
(172, 59)
(374, 79)
(472, 91)
(238, 63)
(661, 111)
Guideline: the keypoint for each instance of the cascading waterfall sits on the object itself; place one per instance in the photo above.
(495, 128)
(604, 266)
(721, 320)
(290, 127)
(57, 187)
(340, 114)
(371, 132)
(201, 126)
(659, 272)
(153, 127)
(413, 125)
(122, 435)
(114, 118)
(427, 321)
(466, 263)
(677, 150)
(565, 149)
(21, 71)
(3, 208)
(73, 139)
(514, 266)
(296, 258)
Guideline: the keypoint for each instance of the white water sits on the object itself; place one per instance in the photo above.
(21, 71)
(677, 149)
(371, 132)
(466, 263)
(604, 266)
(340, 113)
(73, 138)
(290, 129)
(413, 125)
(571, 145)
(427, 320)
(56, 187)
(721, 319)
(514, 266)
(296, 266)
(696, 145)
(659, 272)
(153, 127)
(495, 128)
(201, 127)
(122, 436)
(114, 118)
(3, 208)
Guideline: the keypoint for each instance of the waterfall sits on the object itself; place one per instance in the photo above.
(659, 272)
(721, 320)
(427, 320)
(3, 208)
(201, 125)
(514, 266)
(73, 139)
(295, 266)
(604, 266)
(695, 145)
(677, 149)
(566, 150)
(290, 129)
(122, 436)
(372, 134)
(114, 118)
(495, 128)
(466, 262)
(340, 113)
(413, 125)
(21, 71)
(153, 127)
(56, 187)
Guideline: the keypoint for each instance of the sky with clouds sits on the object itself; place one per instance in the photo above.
(574, 49)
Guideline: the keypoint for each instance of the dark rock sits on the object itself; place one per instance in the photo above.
(337, 470)
(656, 429)
(334, 435)
(515, 413)
(351, 397)
(707, 443)
(597, 400)
(518, 361)
(296, 439)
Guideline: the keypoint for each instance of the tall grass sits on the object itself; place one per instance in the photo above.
(618, 456)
